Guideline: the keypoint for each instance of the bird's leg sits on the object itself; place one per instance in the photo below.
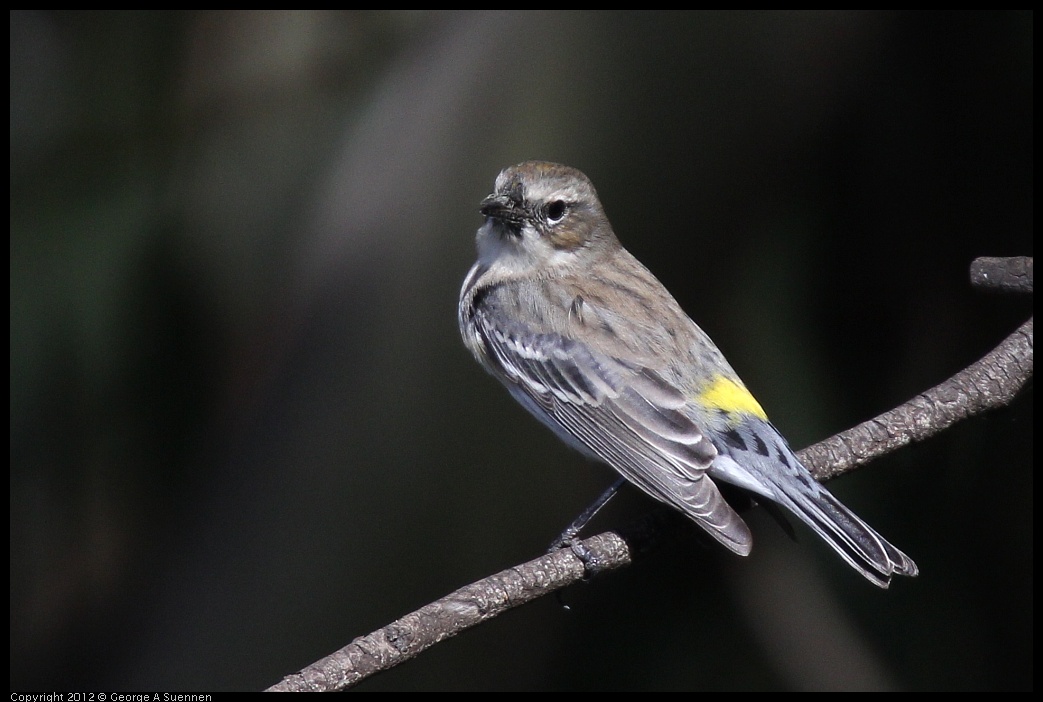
(568, 537)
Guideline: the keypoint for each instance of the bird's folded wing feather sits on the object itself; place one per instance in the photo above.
(624, 414)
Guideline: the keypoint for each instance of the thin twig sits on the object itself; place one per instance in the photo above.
(1012, 275)
(987, 384)
(992, 382)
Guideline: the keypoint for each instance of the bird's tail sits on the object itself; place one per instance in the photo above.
(754, 456)
(856, 542)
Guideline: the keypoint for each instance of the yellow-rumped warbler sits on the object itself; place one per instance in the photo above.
(589, 342)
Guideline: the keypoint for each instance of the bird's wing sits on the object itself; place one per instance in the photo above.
(621, 412)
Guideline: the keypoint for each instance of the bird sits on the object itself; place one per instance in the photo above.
(589, 341)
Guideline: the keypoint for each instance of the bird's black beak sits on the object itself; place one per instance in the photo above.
(504, 210)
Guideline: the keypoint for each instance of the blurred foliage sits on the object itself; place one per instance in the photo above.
(244, 431)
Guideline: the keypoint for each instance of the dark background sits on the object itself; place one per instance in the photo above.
(244, 429)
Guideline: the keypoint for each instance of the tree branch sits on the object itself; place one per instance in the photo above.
(992, 382)
(1012, 274)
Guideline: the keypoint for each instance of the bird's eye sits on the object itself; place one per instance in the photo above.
(556, 211)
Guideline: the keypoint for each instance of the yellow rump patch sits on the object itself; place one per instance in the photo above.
(727, 395)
